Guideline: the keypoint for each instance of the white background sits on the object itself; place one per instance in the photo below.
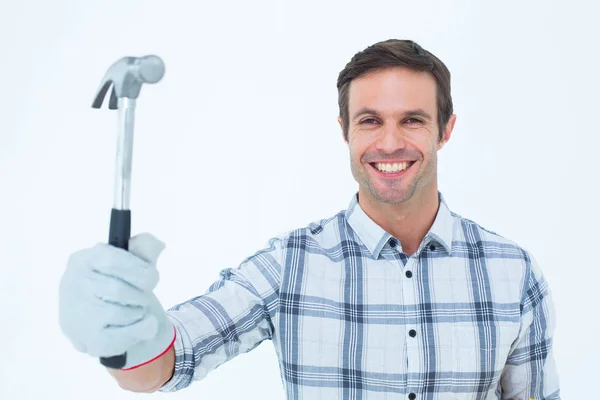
(239, 142)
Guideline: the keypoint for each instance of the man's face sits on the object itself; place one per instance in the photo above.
(393, 133)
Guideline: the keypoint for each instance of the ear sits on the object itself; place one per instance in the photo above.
(447, 132)
(342, 126)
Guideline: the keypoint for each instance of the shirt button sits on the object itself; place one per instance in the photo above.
(412, 333)
(392, 243)
(408, 274)
(412, 396)
(432, 247)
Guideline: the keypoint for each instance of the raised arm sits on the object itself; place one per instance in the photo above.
(107, 308)
(233, 317)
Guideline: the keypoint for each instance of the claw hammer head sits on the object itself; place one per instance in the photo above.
(127, 76)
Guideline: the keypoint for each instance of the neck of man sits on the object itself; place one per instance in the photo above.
(408, 222)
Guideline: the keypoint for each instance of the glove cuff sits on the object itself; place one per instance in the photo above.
(138, 364)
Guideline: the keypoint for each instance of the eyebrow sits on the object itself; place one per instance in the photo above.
(410, 113)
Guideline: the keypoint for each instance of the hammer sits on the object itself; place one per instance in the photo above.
(126, 76)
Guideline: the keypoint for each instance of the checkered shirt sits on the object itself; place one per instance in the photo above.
(469, 315)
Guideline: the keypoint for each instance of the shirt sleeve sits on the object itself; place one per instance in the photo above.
(530, 371)
(233, 317)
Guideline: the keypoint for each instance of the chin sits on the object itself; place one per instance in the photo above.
(392, 199)
(391, 196)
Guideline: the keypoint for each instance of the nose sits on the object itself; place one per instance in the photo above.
(391, 138)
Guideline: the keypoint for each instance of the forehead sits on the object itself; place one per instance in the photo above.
(393, 89)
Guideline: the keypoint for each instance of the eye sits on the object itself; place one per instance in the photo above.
(368, 121)
(415, 120)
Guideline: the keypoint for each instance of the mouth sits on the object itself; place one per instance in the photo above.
(392, 170)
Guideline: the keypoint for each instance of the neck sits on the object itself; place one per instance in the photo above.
(408, 222)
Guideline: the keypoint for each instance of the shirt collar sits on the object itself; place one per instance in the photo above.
(375, 238)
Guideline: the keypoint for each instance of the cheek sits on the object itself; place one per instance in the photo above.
(357, 148)
(425, 144)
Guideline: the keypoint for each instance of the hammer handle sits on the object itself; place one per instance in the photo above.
(120, 232)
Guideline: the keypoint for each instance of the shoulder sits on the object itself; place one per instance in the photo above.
(475, 241)
(322, 232)
(470, 234)
(318, 231)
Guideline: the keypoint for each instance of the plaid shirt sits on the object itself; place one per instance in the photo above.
(467, 316)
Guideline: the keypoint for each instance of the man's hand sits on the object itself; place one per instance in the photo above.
(107, 306)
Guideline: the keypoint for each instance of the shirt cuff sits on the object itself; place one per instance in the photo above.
(182, 376)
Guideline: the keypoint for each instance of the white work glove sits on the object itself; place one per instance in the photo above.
(107, 306)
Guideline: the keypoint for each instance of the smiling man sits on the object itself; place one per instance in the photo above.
(395, 297)
(393, 136)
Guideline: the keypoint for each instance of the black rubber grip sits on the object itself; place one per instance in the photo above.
(120, 228)
(119, 234)
(114, 362)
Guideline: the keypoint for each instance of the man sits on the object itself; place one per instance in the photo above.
(395, 297)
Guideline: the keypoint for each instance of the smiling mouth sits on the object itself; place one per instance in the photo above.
(392, 169)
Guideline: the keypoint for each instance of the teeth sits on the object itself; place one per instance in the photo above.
(396, 167)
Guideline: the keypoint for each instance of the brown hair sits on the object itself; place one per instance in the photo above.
(396, 53)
